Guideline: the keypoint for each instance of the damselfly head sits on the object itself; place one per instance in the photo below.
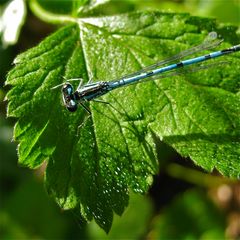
(69, 97)
(67, 89)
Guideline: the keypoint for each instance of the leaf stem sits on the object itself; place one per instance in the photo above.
(48, 16)
(196, 177)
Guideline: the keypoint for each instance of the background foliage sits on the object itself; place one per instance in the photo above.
(172, 182)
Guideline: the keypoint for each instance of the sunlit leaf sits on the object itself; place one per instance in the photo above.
(94, 161)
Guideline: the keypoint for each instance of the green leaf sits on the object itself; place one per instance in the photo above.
(131, 225)
(92, 163)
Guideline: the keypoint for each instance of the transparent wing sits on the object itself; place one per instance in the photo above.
(181, 71)
(209, 42)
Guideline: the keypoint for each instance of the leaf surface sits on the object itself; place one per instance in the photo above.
(92, 163)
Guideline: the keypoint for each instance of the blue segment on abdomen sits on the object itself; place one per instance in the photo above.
(127, 81)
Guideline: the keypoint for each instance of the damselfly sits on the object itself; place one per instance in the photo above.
(91, 91)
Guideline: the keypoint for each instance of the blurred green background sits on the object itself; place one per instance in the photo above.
(183, 202)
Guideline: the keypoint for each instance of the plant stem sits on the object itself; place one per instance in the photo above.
(196, 177)
(48, 16)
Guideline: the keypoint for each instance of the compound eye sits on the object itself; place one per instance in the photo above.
(72, 106)
(67, 89)
(68, 97)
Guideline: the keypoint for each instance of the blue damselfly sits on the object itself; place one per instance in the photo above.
(91, 91)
